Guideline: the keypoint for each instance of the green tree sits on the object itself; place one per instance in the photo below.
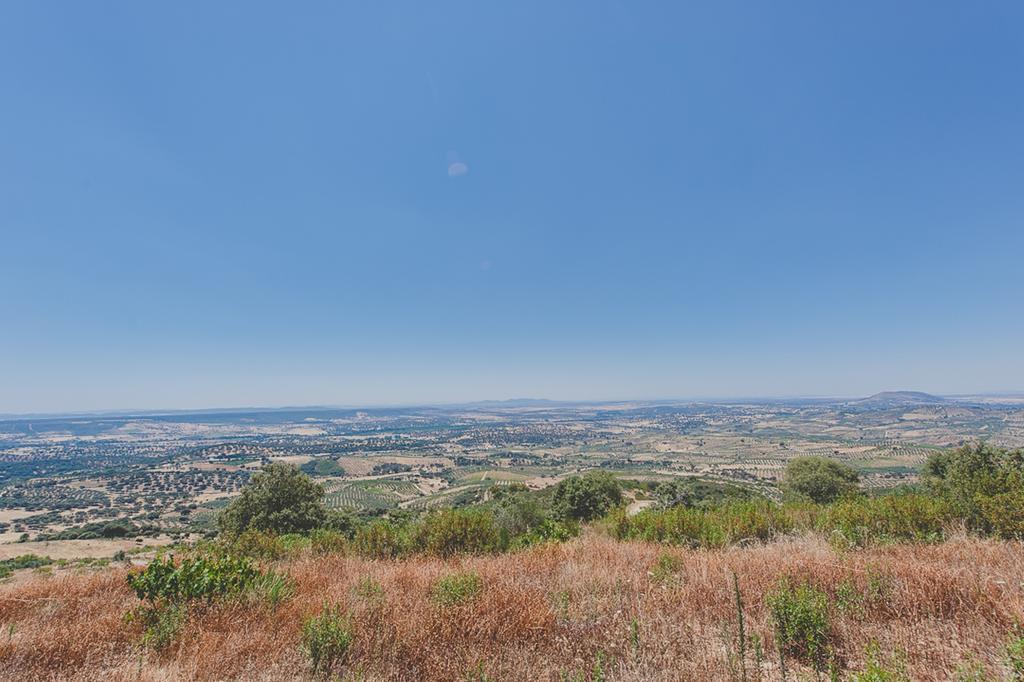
(584, 498)
(516, 509)
(984, 485)
(279, 499)
(819, 479)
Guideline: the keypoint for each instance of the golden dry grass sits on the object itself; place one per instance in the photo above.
(545, 614)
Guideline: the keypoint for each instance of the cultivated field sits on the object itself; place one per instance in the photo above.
(172, 473)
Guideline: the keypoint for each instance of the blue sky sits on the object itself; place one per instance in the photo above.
(214, 204)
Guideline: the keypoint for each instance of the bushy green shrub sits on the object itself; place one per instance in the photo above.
(862, 521)
(170, 588)
(1002, 514)
(457, 588)
(326, 639)
(8, 566)
(516, 511)
(713, 527)
(323, 541)
(802, 619)
(257, 544)
(549, 530)
(693, 492)
(343, 522)
(818, 479)
(457, 531)
(193, 578)
(588, 497)
(279, 499)
(382, 539)
(161, 624)
(446, 533)
(983, 486)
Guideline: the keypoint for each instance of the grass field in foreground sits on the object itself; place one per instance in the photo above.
(592, 608)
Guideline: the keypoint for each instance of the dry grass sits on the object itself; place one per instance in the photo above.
(543, 614)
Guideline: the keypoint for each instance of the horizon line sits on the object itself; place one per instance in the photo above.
(156, 412)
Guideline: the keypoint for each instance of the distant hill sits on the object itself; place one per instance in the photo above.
(899, 399)
(516, 402)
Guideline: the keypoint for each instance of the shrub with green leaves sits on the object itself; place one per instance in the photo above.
(588, 497)
(324, 541)
(326, 639)
(819, 479)
(456, 589)
(8, 566)
(983, 485)
(200, 577)
(382, 539)
(517, 512)
(257, 544)
(457, 531)
(549, 530)
(161, 624)
(694, 492)
(861, 521)
(801, 617)
(279, 499)
(713, 527)
(170, 588)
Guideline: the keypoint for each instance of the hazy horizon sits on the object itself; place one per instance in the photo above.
(127, 411)
(208, 206)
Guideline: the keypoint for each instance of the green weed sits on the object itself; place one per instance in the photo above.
(326, 639)
(802, 620)
(457, 588)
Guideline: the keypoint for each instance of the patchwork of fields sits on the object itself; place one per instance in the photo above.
(172, 473)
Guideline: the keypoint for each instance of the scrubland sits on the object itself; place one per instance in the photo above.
(591, 608)
(711, 584)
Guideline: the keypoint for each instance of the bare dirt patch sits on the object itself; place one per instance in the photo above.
(77, 549)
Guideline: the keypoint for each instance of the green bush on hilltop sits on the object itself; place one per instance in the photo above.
(279, 499)
(193, 578)
(382, 539)
(170, 589)
(983, 486)
(454, 531)
(818, 479)
(690, 492)
(727, 524)
(860, 521)
(516, 510)
(587, 497)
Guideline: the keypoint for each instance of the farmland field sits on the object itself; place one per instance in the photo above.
(171, 474)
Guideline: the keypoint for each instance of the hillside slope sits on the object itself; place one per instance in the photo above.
(588, 609)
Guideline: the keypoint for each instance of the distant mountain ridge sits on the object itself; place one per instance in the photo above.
(899, 399)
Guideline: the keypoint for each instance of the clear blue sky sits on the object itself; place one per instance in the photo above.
(214, 204)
